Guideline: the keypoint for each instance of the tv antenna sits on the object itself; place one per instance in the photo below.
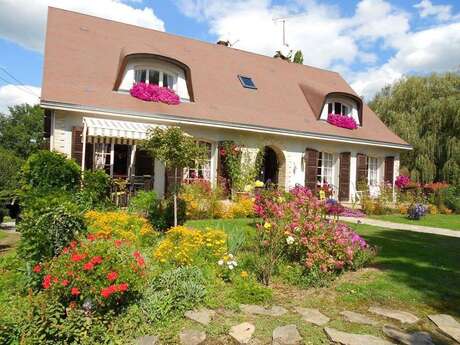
(283, 21)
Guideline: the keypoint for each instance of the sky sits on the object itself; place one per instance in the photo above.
(372, 43)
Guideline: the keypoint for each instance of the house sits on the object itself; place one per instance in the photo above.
(261, 103)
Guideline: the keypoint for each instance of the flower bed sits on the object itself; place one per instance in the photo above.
(343, 121)
(334, 208)
(154, 93)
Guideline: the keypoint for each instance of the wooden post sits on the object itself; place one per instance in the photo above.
(132, 162)
(112, 157)
(83, 156)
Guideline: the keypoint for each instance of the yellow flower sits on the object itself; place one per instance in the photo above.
(267, 226)
(259, 184)
(244, 274)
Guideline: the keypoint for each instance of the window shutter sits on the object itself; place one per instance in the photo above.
(361, 170)
(389, 169)
(173, 183)
(344, 176)
(77, 145)
(311, 168)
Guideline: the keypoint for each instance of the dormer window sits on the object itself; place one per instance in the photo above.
(151, 76)
(338, 108)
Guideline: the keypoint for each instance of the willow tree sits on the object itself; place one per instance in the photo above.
(176, 150)
(425, 111)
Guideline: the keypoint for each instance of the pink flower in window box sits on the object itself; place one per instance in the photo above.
(343, 121)
(154, 93)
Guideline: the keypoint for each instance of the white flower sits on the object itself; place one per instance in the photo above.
(230, 256)
(290, 240)
(220, 262)
(230, 267)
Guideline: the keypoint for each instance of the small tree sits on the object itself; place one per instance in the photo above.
(176, 150)
(298, 57)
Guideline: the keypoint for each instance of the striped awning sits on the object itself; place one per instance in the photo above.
(105, 128)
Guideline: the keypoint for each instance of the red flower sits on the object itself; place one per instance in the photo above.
(96, 260)
(123, 287)
(74, 291)
(106, 292)
(137, 254)
(118, 243)
(47, 281)
(91, 237)
(65, 282)
(37, 268)
(65, 250)
(73, 244)
(77, 257)
(140, 262)
(88, 266)
(55, 280)
(112, 276)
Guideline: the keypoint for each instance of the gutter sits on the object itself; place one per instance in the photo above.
(220, 124)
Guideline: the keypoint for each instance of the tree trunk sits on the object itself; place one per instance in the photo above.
(175, 197)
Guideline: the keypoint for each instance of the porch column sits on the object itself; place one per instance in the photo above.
(83, 155)
(112, 157)
(131, 161)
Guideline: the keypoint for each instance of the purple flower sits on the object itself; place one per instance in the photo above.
(402, 181)
(342, 121)
(154, 93)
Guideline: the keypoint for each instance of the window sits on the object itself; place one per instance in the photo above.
(338, 108)
(201, 171)
(102, 157)
(372, 170)
(324, 172)
(151, 76)
(247, 82)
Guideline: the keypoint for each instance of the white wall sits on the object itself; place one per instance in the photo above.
(292, 148)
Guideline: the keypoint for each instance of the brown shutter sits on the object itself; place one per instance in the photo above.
(344, 176)
(389, 169)
(172, 183)
(311, 168)
(77, 146)
(361, 170)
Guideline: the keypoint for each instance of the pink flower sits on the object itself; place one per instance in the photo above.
(342, 121)
(154, 93)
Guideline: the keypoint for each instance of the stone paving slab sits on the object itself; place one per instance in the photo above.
(447, 324)
(354, 317)
(259, 310)
(243, 332)
(353, 339)
(192, 337)
(399, 315)
(313, 316)
(203, 316)
(147, 340)
(401, 226)
(416, 338)
(286, 335)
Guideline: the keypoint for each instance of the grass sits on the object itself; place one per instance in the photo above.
(451, 222)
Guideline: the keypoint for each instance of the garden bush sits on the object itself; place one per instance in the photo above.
(47, 170)
(202, 201)
(248, 290)
(185, 246)
(95, 275)
(451, 198)
(10, 165)
(161, 215)
(293, 226)
(120, 225)
(143, 203)
(95, 191)
(46, 232)
(173, 291)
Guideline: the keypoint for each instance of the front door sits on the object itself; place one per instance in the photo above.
(344, 177)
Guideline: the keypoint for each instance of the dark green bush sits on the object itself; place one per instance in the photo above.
(47, 232)
(161, 215)
(451, 198)
(10, 165)
(143, 203)
(46, 170)
(249, 291)
(95, 191)
(3, 213)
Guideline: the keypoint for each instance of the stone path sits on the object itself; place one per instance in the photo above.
(243, 333)
(401, 226)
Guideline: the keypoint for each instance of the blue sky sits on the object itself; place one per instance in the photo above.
(370, 42)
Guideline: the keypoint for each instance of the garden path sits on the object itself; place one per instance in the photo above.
(401, 226)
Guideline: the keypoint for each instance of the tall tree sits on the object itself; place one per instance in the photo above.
(21, 131)
(425, 111)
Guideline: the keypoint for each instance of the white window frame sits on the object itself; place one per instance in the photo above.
(372, 171)
(161, 73)
(342, 105)
(205, 169)
(326, 171)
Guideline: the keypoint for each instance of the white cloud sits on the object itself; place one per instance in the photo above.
(427, 9)
(23, 21)
(17, 94)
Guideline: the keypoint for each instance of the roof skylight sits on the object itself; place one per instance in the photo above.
(247, 82)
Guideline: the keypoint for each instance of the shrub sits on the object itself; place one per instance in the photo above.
(47, 232)
(95, 275)
(201, 199)
(184, 246)
(173, 291)
(95, 190)
(451, 197)
(247, 290)
(161, 216)
(46, 170)
(120, 225)
(143, 203)
(10, 164)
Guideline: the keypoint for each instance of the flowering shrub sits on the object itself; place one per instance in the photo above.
(95, 274)
(154, 93)
(293, 224)
(119, 225)
(242, 208)
(402, 181)
(336, 209)
(339, 120)
(183, 246)
(416, 211)
(201, 200)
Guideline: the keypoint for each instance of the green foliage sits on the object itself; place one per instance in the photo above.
(46, 170)
(174, 291)
(425, 111)
(451, 198)
(143, 202)
(95, 190)
(298, 57)
(249, 291)
(46, 232)
(10, 165)
(295, 274)
(202, 201)
(161, 215)
(21, 131)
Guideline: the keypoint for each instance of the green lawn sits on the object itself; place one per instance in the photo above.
(451, 222)
(2, 235)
